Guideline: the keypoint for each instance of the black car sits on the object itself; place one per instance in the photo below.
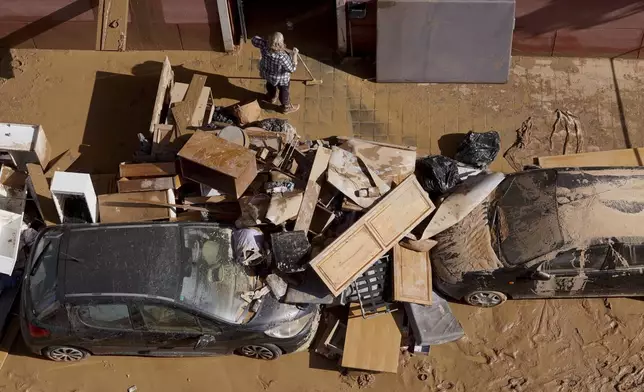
(162, 289)
(572, 232)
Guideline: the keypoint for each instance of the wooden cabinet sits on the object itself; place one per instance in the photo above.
(372, 235)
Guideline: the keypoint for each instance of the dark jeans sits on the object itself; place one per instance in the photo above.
(285, 97)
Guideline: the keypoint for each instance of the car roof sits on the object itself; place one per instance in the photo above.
(601, 203)
(543, 209)
(133, 259)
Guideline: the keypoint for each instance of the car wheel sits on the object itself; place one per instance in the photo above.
(260, 351)
(65, 354)
(485, 299)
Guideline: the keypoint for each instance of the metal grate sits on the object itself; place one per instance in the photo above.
(372, 289)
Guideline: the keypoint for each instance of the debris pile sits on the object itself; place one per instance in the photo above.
(326, 222)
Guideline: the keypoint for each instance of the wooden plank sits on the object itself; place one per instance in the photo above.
(626, 157)
(154, 169)
(341, 25)
(100, 16)
(7, 340)
(178, 94)
(192, 95)
(145, 184)
(41, 193)
(372, 343)
(226, 25)
(209, 199)
(63, 163)
(312, 191)
(114, 25)
(373, 235)
(412, 276)
(181, 115)
(165, 82)
(119, 207)
(169, 205)
(200, 110)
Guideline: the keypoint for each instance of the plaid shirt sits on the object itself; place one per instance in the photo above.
(275, 67)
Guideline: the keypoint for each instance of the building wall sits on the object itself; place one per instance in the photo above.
(597, 28)
(543, 27)
(71, 24)
(587, 28)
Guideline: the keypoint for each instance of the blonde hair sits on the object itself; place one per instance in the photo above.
(276, 42)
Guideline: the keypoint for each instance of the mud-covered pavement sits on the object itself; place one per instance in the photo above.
(97, 102)
(566, 345)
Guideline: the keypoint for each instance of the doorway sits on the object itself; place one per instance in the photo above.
(308, 25)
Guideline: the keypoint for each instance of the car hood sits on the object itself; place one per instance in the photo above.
(272, 312)
(465, 247)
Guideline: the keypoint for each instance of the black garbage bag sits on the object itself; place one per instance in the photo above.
(437, 174)
(479, 149)
(222, 115)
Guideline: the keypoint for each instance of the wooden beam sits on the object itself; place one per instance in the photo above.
(169, 205)
(626, 157)
(63, 163)
(42, 195)
(155, 169)
(209, 199)
(225, 23)
(111, 29)
(312, 191)
(194, 92)
(166, 80)
(341, 24)
(181, 115)
(100, 19)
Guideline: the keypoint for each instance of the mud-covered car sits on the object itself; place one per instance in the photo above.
(162, 289)
(545, 233)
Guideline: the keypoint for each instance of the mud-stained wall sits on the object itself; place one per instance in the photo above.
(585, 28)
(596, 28)
(71, 24)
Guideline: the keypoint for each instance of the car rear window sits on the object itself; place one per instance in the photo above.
(44, 275)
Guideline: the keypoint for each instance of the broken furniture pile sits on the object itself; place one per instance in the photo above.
(318, 222)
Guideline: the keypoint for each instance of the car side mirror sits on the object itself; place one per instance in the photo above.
(540, 275)
(204, 340)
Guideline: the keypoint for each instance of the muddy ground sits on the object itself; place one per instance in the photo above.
(97, 102)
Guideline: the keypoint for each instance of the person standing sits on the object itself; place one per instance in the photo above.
(276, 67)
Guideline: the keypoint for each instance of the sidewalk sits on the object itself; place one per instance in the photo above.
(422, 114)
(91, 98)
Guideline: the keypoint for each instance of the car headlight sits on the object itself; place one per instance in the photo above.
(289, 328)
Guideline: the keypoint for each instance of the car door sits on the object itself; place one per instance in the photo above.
(169, 330)
(627, 269)
(104, 327)
(578, 272)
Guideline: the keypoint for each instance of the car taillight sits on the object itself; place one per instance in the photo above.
(37, 332)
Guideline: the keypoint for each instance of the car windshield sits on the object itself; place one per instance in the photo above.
(214, 282)
(42, 282)
(527, 225)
